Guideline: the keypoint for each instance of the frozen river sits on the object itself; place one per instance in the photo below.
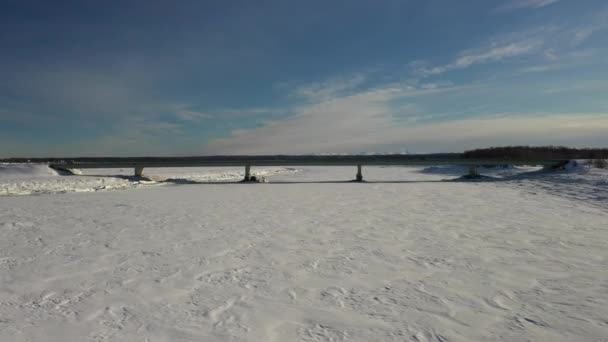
(409, 258)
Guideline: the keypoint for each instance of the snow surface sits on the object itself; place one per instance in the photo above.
(28, 179)
(408, 258)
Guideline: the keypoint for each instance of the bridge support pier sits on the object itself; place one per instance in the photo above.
(359, 177)
(139, 171)
(247, 173)
(473, 171)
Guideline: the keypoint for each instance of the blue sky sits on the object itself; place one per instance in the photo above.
(118, 78)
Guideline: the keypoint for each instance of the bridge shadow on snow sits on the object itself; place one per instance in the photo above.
(178, 181)
(538, 175)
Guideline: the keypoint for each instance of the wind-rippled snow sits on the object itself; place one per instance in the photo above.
(407, 258)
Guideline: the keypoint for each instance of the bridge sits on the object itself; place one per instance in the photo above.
(139, 163)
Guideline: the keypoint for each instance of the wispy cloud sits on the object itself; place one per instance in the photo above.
(542, 68)
(337, 122)
(192, 116)
(375, 131)
(582, 33)
(496, 52)
(378, 119)
(553, 43)
(330, 88)
(513, 5)
(554, 62)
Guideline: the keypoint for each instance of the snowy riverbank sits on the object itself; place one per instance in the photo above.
(33, 179)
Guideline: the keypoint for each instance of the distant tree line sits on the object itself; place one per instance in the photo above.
(536, 153)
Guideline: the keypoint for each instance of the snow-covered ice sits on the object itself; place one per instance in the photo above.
(28, 179)
(411, 258)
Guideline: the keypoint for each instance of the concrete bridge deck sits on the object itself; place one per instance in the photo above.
(139, 163)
